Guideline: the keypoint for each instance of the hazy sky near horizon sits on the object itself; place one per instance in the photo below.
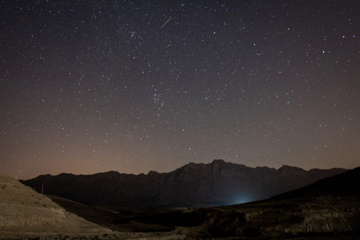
(134, 86)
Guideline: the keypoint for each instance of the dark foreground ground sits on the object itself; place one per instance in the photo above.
(327, 209)
(318, 219)
(324, 217)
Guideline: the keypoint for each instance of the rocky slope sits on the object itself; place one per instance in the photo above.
(327, 209)
(200, 185)
(25, 213)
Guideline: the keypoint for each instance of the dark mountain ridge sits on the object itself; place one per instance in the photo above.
(193, 185)
(326, 209)
(345, 184)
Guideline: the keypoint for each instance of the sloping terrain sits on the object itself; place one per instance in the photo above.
(345, 184)
(327, 209)
(25, 213)
(193, 185)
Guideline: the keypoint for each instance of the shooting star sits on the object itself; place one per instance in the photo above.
(165, 23)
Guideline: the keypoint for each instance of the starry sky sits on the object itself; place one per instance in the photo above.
(133, 86)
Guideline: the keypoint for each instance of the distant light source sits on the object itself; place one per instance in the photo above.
(243, 198)
(239, 198)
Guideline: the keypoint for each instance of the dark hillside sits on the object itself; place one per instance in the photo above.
(193, 185)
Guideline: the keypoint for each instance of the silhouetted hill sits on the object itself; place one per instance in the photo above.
(213, 184)
(326, 209)
(344, 184)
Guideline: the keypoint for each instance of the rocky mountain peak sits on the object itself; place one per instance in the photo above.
(195, 184)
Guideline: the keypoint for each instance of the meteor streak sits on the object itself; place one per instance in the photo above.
(165, 23)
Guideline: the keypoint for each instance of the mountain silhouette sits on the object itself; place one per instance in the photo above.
(326, 209)
(193, 185)
(346, 184)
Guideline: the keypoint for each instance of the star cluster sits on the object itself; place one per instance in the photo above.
(134, 86)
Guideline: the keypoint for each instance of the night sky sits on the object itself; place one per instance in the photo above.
(133, 86)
